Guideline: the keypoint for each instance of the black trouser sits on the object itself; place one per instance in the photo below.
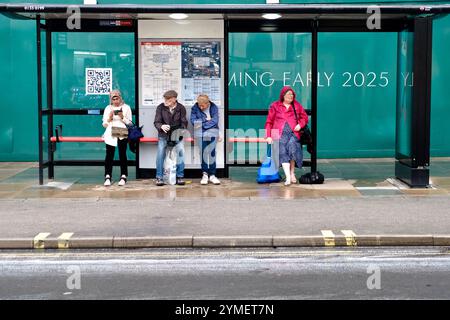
(110, 151)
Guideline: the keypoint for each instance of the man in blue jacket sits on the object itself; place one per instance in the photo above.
(205, 119)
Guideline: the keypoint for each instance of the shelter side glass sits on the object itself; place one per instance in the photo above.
(86, 66)
(356, 94)
(45, 105)
(246, 127)
(405, 79)
(260, 64)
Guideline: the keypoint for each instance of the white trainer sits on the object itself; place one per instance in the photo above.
(123, 180)
(204, 180)
(107, 181)
(214, 180)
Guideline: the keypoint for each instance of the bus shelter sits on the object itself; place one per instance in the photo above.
(209, 31)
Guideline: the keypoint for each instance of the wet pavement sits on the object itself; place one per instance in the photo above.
(359, 196)
(344, 178)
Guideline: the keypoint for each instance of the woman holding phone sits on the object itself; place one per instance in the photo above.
(115, 118)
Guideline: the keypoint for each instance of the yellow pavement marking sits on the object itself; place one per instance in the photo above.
(39, 240)
(63, 240)
(328, 238)
(350, 237)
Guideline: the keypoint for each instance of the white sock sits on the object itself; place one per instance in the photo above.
(287, 172)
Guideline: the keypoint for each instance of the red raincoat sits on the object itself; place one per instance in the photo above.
(278, 115)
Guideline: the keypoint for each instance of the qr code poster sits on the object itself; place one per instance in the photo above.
(98, 80)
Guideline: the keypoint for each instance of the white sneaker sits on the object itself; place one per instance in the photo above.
(107, 181)
(204, 180)
(214, 180)
(123, 180)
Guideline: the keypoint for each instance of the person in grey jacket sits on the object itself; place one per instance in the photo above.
(170, 121)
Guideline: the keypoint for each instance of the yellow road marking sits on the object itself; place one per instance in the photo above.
(63, 240)
(39, 240)
(350, 237)
(328, 238)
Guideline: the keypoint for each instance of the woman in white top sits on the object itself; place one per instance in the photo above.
(116, 114)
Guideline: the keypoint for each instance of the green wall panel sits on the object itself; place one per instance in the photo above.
(404, 97)
(440, 102)
(262, 63)
(72, 54)
(150, 2)
(245, 126)
(356, 108)
(147, 2)
(6, 130)
(356, 104)
(19, 133)
(358, 1)
(156, 2)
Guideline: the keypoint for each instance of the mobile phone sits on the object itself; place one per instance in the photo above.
(116, 112)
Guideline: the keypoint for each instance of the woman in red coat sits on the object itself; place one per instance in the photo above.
(283, 125)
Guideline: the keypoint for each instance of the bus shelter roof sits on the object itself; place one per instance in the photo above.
(224, 11)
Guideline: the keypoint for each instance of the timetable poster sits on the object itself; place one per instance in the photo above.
(160, 70)
(201, 71)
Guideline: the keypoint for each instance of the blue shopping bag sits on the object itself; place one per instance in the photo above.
(268, 172)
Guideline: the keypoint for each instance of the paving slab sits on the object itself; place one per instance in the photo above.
(142, 214)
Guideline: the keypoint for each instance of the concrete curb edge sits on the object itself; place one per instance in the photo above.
(192, 241)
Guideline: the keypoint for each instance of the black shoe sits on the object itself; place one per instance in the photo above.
(180, 182)
(159, 182)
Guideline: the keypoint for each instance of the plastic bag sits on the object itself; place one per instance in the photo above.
(170, 167)
(268, 172)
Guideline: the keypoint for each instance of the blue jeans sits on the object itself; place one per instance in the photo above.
(161, 155)
(208, 155)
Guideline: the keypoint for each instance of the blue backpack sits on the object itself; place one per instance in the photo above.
(268, 172)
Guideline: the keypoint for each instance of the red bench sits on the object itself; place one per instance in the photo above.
(145, 140)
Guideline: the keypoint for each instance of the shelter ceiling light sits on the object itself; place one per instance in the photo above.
(178, 16)
(271, 16)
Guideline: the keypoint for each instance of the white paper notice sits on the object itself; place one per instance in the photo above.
(160, 69)
(192, 87)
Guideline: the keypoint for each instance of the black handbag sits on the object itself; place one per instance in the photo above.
(306, 138)
(305, 134)
(312, 178)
